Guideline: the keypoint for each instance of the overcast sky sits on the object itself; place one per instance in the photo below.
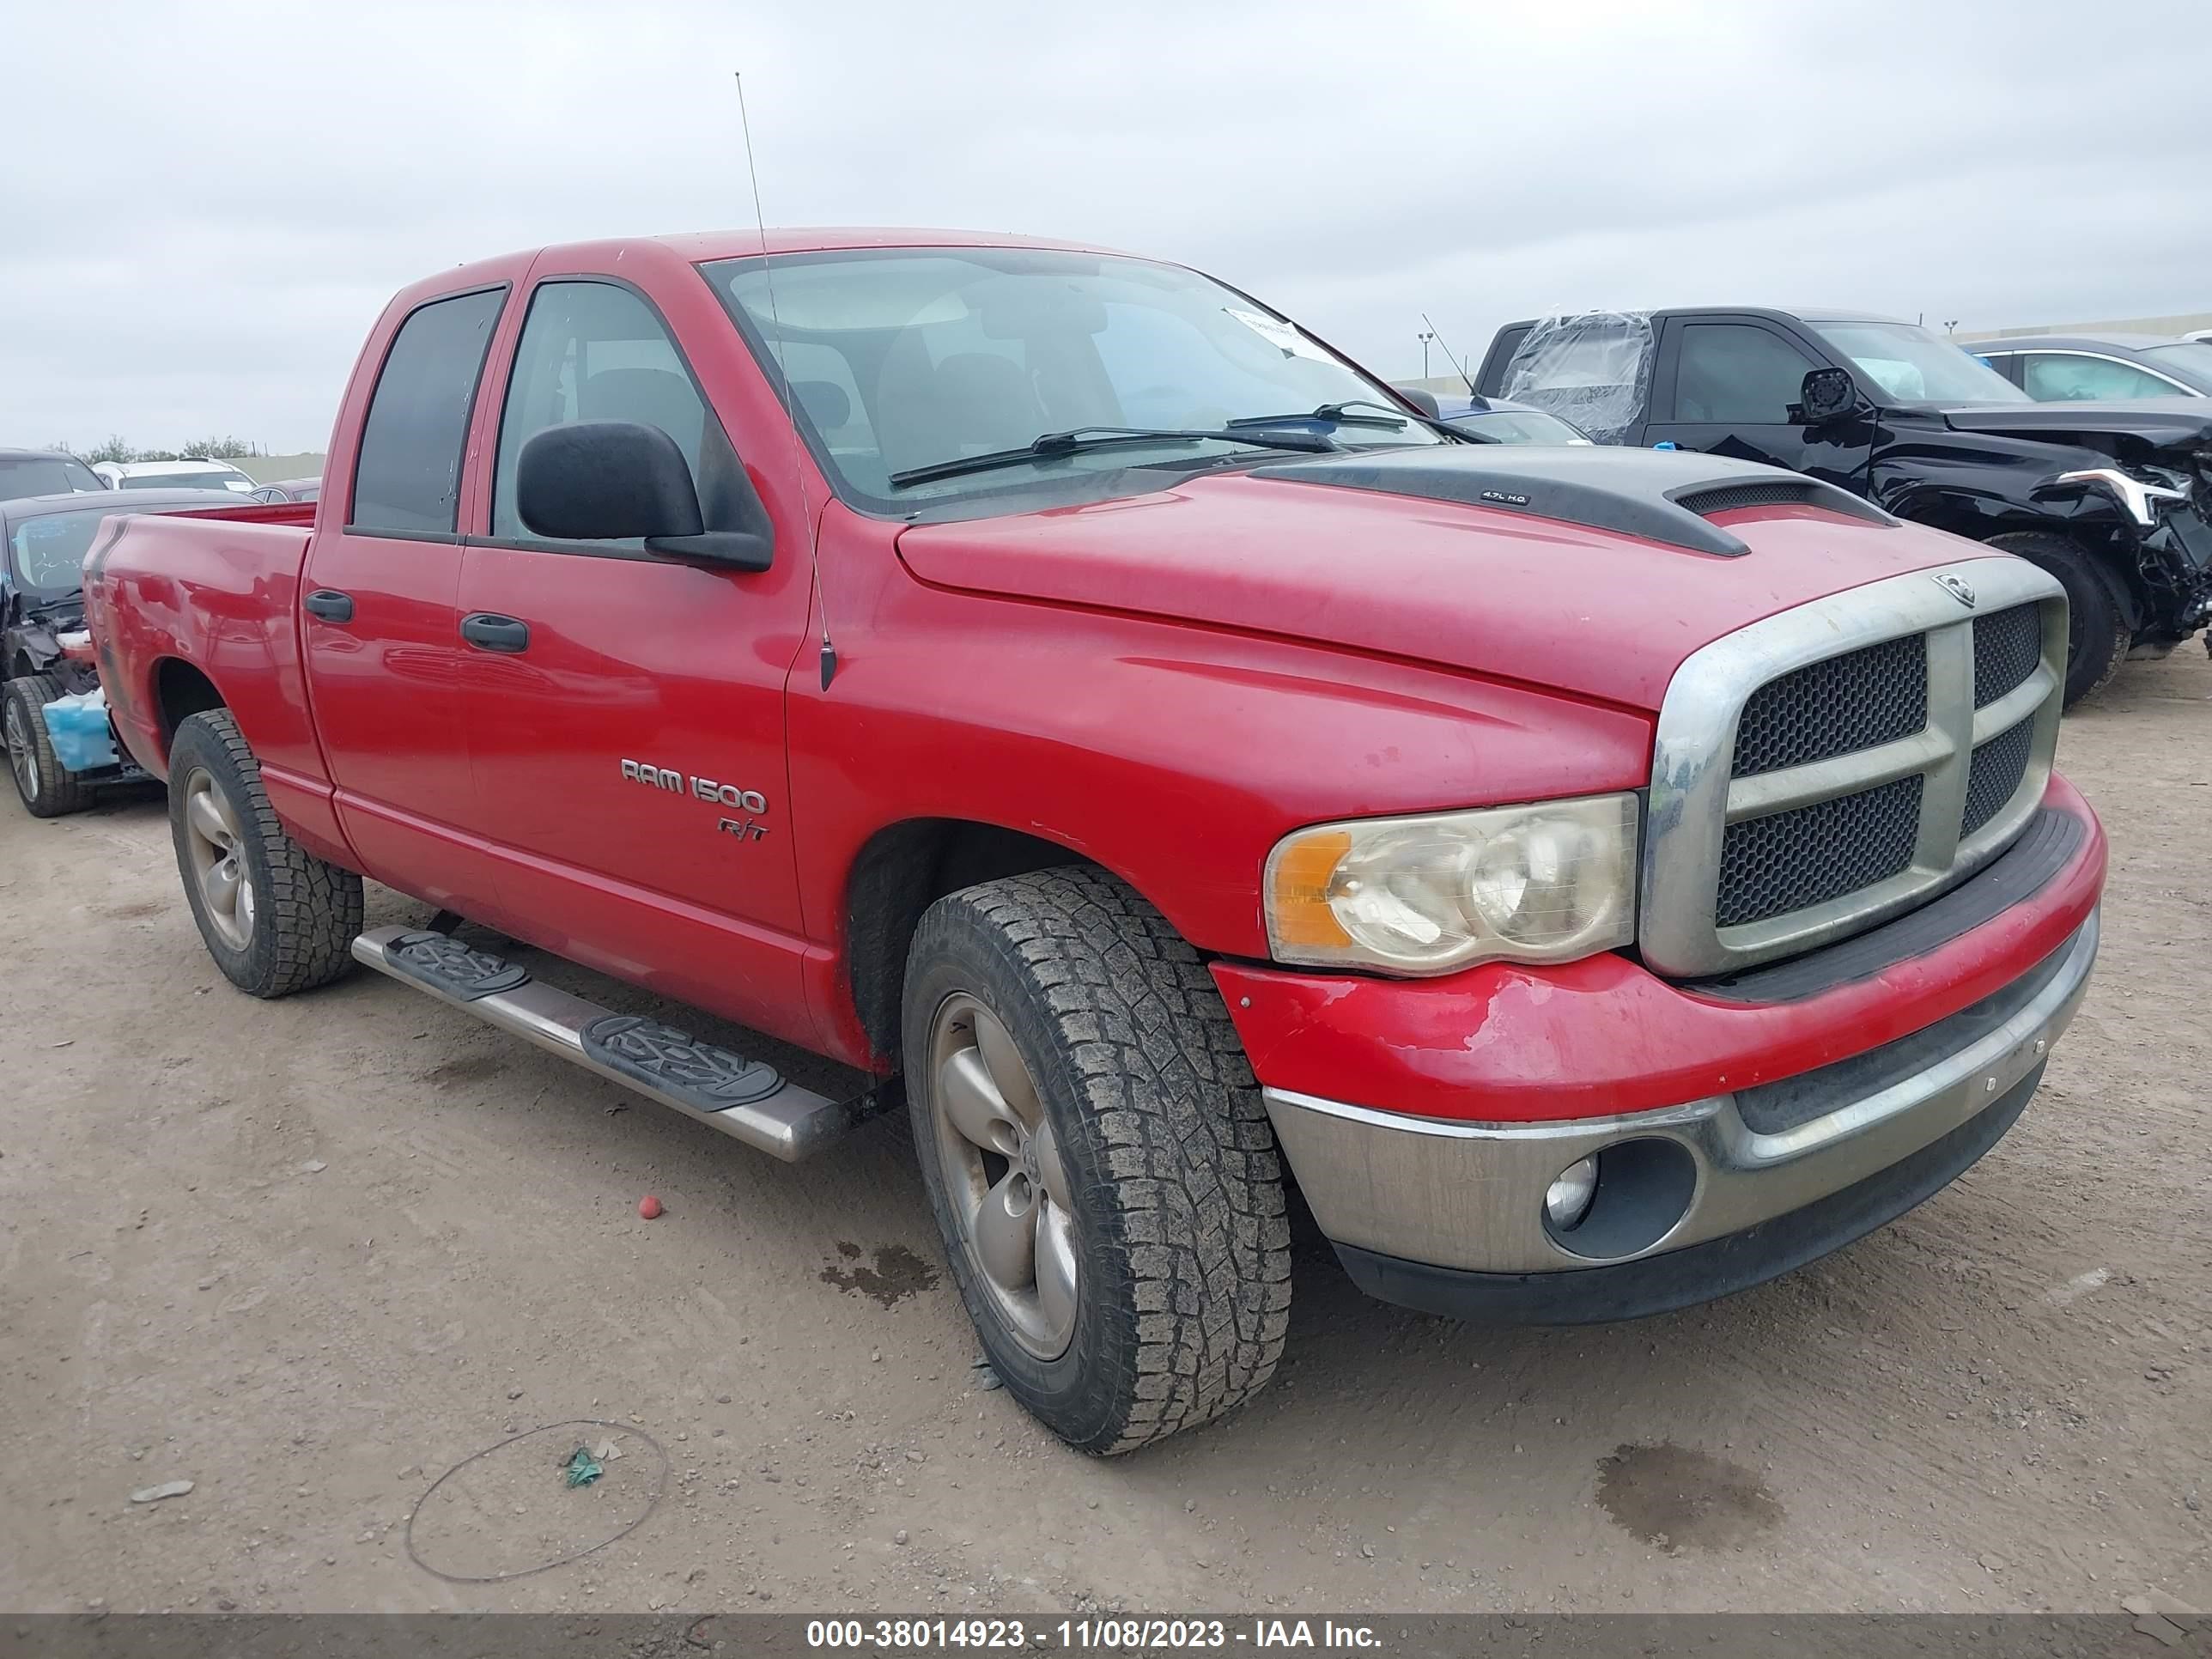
(205, 206)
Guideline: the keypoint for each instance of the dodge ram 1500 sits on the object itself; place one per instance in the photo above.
(1061, 687)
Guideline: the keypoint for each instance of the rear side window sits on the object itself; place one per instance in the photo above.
(1738, 374)
(407, 476)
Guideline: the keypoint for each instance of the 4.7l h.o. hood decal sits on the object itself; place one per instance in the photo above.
(1498, 591)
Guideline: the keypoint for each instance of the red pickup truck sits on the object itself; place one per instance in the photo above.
(1057, 685)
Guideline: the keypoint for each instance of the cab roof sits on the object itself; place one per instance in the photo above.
(704, 247)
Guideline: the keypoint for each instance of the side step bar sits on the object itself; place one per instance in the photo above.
(741, 1097)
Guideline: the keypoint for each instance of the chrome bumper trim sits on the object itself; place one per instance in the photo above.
(1470, 1195)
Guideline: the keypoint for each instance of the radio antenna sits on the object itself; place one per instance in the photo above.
(783, 389)
(1458, 367)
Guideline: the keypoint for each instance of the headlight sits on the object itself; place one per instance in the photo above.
(2140, 496)
(1546, 883)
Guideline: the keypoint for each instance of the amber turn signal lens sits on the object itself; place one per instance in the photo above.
(1298, 892)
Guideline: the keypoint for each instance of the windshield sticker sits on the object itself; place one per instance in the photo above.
(1280, 335)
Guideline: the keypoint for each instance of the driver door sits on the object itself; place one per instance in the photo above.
(626, 710)
(1728, 386)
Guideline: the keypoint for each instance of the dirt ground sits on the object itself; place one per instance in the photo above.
(308, 1254)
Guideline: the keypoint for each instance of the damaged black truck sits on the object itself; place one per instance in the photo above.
(2113, 498)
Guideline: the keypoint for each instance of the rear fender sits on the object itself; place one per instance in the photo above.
(190, 600)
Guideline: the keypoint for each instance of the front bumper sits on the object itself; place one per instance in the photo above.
(1449, 1215)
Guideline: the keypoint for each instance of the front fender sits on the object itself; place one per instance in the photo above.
(1187, 756)
(1980, 485)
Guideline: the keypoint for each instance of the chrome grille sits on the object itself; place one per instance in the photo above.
(1833, 707)
(1810, 854)
(2007, 647)
(1834, 765)
(1995, 774)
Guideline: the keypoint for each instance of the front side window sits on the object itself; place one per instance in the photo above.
(904, 360)
(595, 351)
(407, 475)
(1737, 374)
(1912, 366)
(2053, 376)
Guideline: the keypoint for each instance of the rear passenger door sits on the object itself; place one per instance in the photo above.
(1730, 385)
(626, 719)
(377, 622)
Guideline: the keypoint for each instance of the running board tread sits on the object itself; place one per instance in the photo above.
(446, 965)
(661, 1057)
(745, 1099)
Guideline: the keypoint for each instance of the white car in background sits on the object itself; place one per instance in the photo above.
(174, 475)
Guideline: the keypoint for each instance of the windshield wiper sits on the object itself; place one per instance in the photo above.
(1049, 445)
(1392, 418)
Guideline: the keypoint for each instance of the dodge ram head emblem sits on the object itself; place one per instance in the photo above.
(1957, 587)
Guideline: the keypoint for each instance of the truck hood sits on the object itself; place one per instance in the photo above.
(1378, 564)
(2172, 431)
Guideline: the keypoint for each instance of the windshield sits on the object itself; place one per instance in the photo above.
(1519, 426)
(45, 475)
(1913, 366)
(199, 477)
(2191, 359)
(45, 554)
(905, 359)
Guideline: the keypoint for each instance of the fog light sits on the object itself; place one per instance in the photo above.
(1567, 1200)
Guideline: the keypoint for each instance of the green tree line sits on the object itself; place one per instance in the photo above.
(119, 448)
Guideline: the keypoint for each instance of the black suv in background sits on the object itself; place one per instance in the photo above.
(2114, 499)
(44, 472)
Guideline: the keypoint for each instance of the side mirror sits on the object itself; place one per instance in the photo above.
(1422, 399)
(612, 480)
(1825, 393)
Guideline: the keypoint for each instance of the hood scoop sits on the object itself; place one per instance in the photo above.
(1659, 495)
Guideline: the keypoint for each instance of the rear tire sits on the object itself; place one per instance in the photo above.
(276, 918)
(2098, 634)
(47, 788)
(1136, 1158)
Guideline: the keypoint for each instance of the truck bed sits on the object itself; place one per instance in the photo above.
(180, 600)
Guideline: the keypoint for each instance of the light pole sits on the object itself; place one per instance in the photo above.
(1424, 336)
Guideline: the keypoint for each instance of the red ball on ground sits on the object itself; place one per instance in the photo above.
(648, 1206)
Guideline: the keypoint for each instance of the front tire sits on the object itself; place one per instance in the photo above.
(2098, 634)
(1097, 1155)
(45, 786)
(276, 918)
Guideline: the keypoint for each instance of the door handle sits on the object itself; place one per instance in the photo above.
(330, 605)
(490, 632)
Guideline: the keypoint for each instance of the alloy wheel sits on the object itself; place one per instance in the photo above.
(1003, 1175)
(22, 756)
(217, 849)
